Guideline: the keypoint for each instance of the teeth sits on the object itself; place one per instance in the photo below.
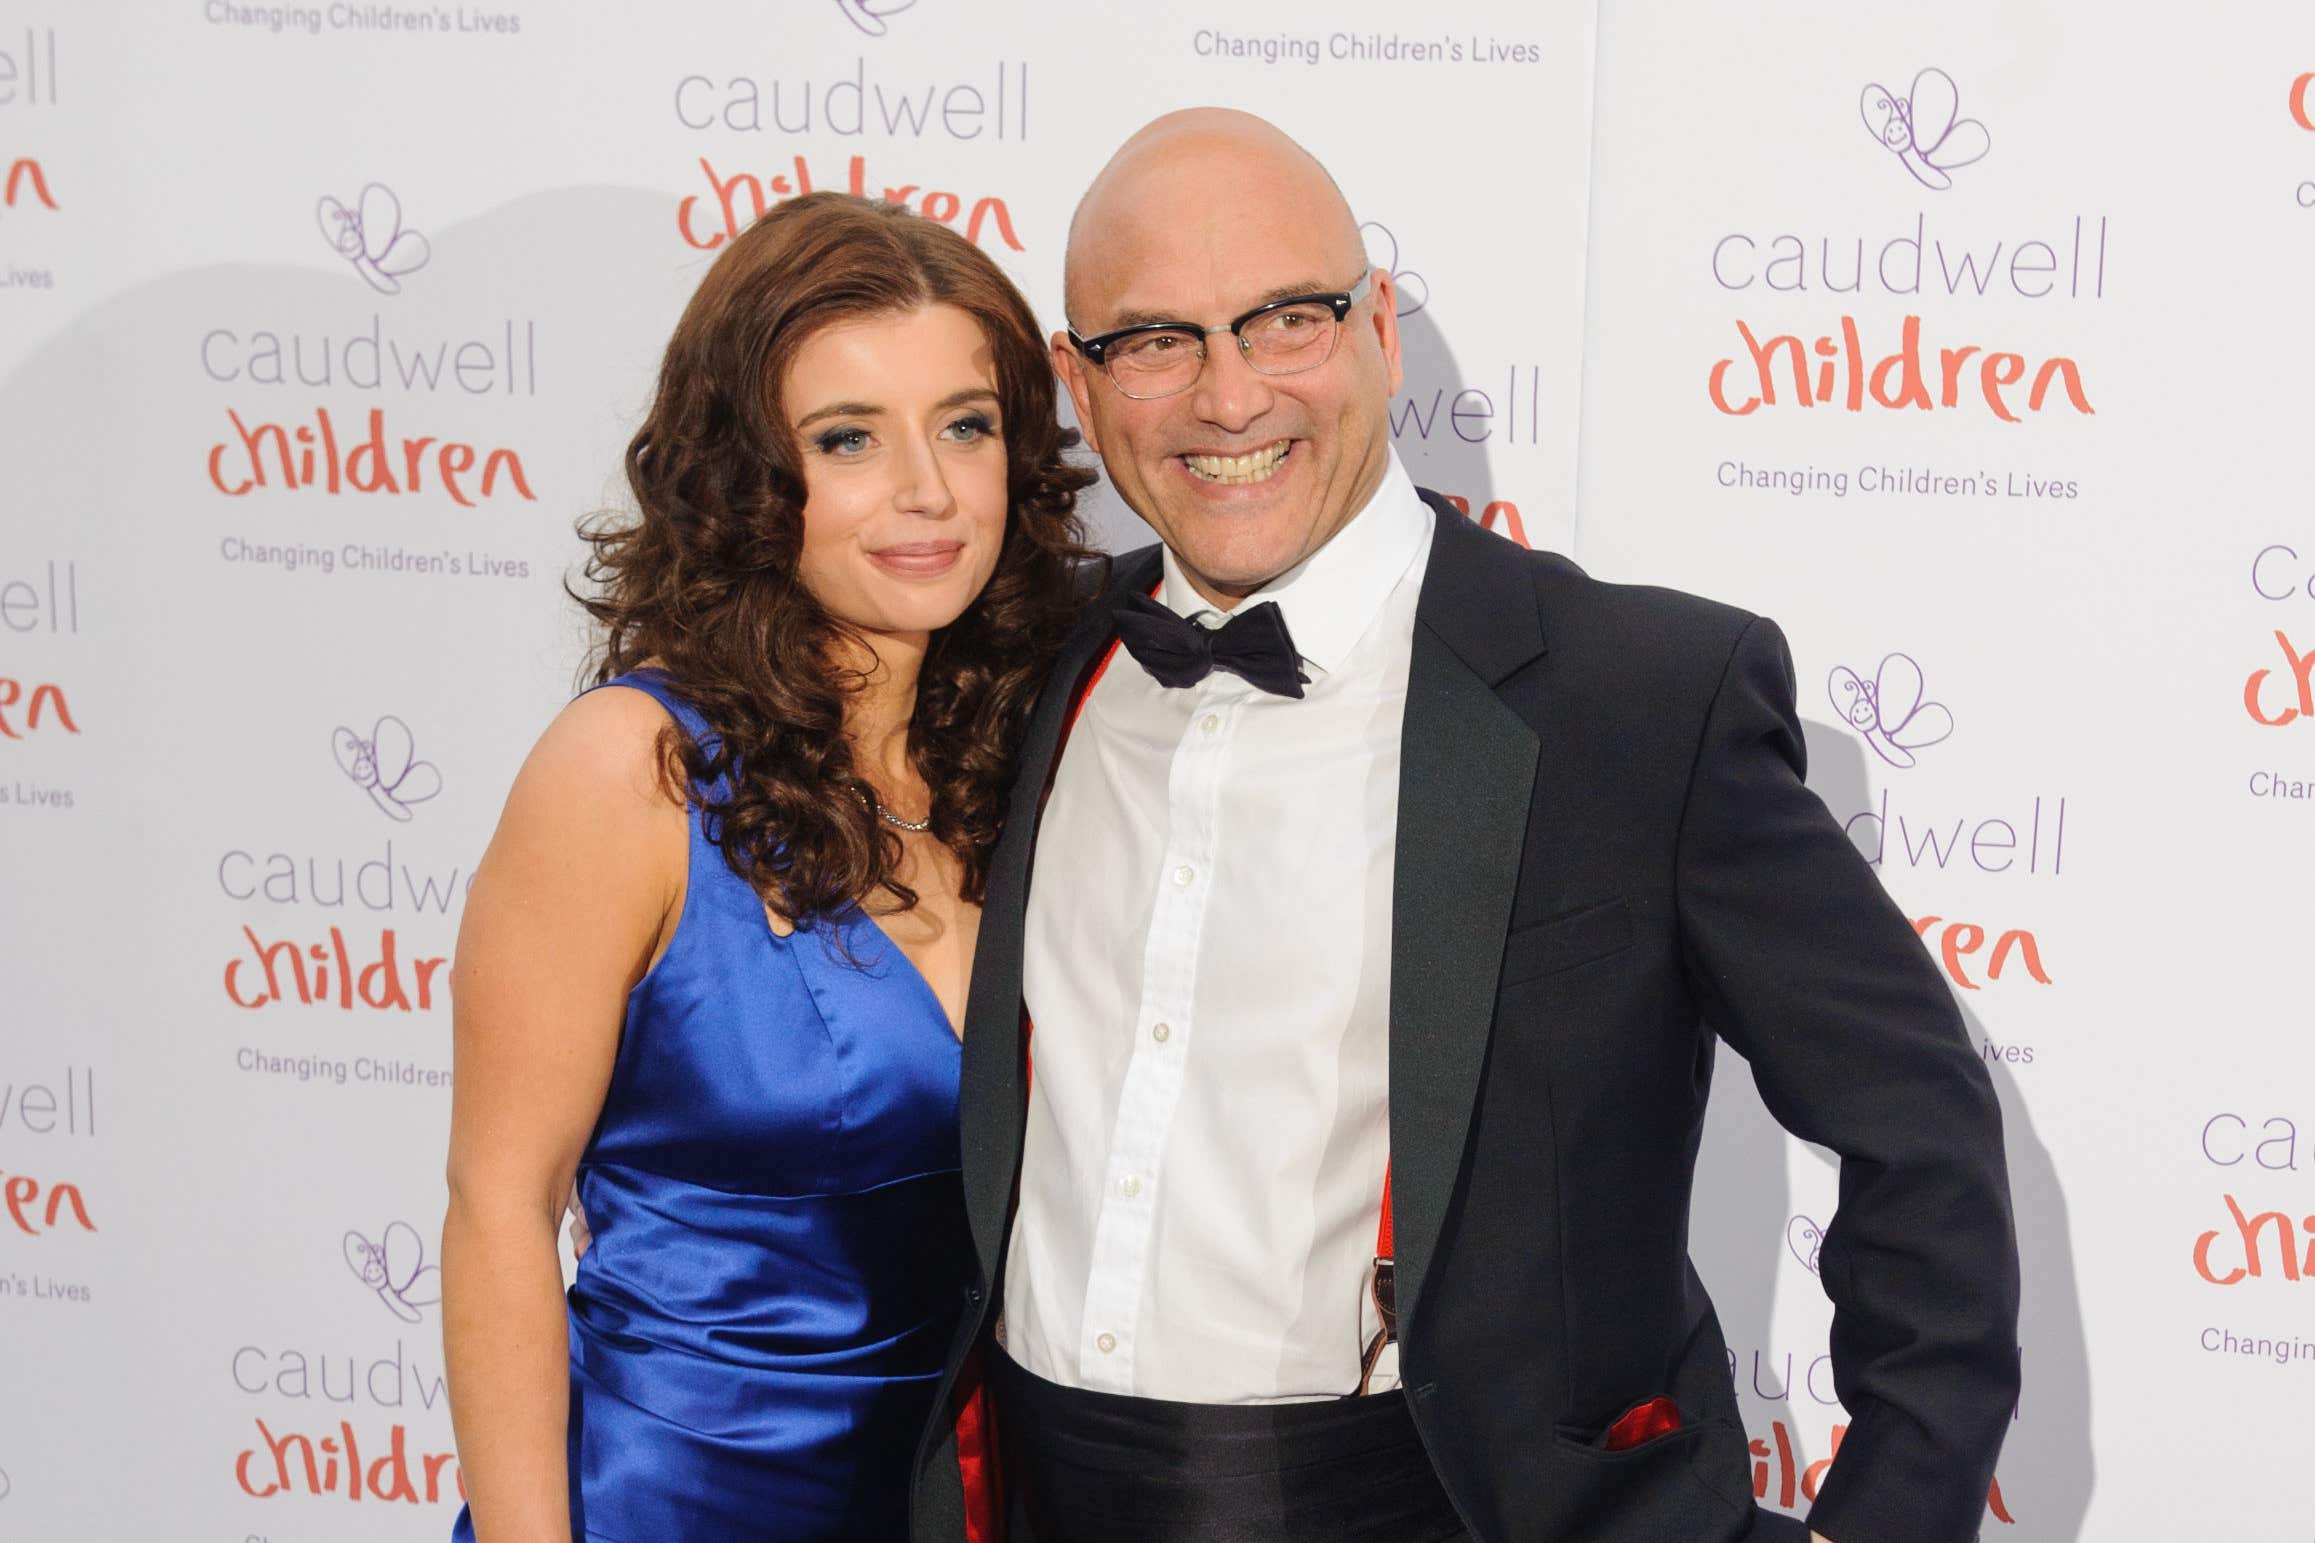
(1254, 467)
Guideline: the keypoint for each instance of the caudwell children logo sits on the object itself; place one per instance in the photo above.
(742, 197)
(28, 70)
(39, 1206)
(27, 185)
(2274, 1246)
(868, 15)
(1922, 128)
(2294, 696)
(1806, 1240)
(1783, 1478)
(395, 1268)
(2228, 1256)
(371, 236)
(27, 705)
(386, 766)
(875, 103)
(311, 448)
(1943, 360)
(1382, 249)
(1956, 944)
(1891, 712)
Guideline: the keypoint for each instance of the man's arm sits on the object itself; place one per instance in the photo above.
(1807, 968)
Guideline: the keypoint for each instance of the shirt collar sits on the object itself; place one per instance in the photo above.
(1331, 596)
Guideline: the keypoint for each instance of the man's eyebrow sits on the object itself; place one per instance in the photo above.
(1126, 319)
(869, 409)
(1293, 292)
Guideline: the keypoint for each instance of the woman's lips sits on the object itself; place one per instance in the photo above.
(919, 559)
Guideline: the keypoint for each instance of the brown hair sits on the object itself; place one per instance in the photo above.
(703, 582)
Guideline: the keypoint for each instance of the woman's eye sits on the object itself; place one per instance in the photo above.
(843, 441)
(972, 428)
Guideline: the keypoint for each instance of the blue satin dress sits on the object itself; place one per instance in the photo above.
(779, 1246)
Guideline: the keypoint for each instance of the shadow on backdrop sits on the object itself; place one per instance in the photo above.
(1439, 451)
(1745, 1226)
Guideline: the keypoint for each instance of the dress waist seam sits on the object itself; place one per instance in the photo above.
(751, 1194)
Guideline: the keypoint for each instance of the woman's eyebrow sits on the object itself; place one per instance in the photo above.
(839, 410)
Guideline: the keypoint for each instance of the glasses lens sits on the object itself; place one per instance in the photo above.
(1155, 363)
(1294, 337)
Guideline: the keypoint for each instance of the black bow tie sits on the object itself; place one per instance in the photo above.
(1253, 645)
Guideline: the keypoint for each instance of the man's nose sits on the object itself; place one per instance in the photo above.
(1230, 393)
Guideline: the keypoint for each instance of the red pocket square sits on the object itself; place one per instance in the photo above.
(1642, 1423)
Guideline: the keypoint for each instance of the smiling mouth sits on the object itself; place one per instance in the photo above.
(919, 557)
(1254, 466)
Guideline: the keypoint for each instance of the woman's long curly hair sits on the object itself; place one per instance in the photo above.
(703, 582)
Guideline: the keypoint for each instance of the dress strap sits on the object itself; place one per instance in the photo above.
(655, 684)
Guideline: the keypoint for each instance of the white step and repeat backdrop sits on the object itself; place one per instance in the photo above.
(1969, 342)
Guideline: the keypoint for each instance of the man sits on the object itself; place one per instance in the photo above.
(1364, 954)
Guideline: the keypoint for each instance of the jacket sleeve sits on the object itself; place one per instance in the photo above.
(1804, 965)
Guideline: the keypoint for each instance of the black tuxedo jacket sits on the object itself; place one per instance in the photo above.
(1606, 857)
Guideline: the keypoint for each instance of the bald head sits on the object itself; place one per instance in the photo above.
(1201, 162)
(1246, 466)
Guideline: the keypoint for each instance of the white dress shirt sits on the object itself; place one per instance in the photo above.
(1208, 971)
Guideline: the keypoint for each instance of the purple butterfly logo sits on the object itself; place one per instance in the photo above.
(1888, 710)
(396, 1269)
(1806, 1239)
(371, 237)
(868, 15)
(385, 766)
(1920, 129)
(1383, 250)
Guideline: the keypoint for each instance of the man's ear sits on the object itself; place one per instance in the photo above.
(1386, 298)
(1070, 366)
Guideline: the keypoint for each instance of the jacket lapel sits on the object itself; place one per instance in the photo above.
(1466, 781)
(992, 1096)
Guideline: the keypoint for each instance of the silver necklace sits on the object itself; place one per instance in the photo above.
(913, 827)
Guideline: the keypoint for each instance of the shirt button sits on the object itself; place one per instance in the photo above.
(1129, 1186)
(1184, 874)
(1106, 1343)
(1161, 1032)
(1210, 723)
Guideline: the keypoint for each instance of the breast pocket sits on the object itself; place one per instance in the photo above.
(1564, 941)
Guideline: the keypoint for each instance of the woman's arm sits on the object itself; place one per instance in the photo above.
(577, 894)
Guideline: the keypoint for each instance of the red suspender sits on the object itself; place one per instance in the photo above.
(1078, 709)
(1386, 1298)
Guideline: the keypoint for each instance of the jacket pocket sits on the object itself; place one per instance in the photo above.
(1564, 941)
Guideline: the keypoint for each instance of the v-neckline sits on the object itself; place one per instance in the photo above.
(940, 1010)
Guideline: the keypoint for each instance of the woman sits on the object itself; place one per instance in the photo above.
(715, 958)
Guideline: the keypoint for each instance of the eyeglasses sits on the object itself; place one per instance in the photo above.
(1284, 337)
